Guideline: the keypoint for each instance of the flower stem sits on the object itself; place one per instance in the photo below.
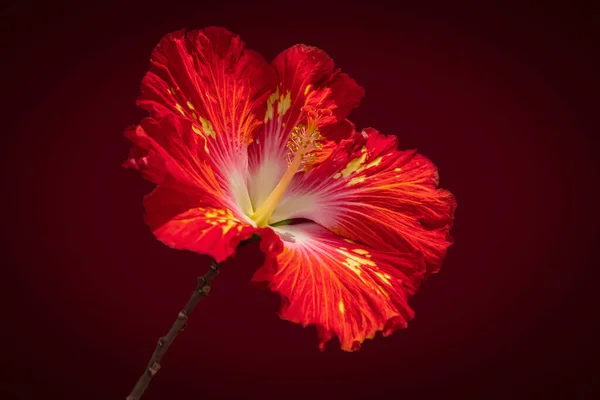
(202, 289)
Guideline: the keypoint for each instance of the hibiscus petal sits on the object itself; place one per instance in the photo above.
(178, 219)
(346, 289)
(371, 192)
(212, 91)
(208, 77)
(178, 160)
(307, 78)
(188, 210)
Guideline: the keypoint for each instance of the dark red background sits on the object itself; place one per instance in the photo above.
(501, 100)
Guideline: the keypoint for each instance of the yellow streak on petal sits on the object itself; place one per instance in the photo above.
(199, 132)
(362, 252)
(397, 169)
(211, 214)
(354, 263)
(228, 225)
(207, 127)
(354, 259)
(354, 164)
(384, 277)
(348, 240)
(353, 266)
(356, 180)
(341, 307)
(336, 176)
(284, 103)
(224, 218)
(179, 108)
(374, 163)
(270, 101)
(190, 105)
(306, 89)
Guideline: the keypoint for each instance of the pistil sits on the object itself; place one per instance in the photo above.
(303, 140)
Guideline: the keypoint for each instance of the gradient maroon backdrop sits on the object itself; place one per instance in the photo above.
(500, 99)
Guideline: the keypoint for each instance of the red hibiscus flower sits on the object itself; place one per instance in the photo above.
(349, 224)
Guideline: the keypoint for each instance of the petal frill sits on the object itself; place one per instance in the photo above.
(369, 191)
(307, 77)
(206, 83)
(143, 157)
(346, 289)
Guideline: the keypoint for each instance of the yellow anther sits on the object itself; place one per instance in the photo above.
(304, 139)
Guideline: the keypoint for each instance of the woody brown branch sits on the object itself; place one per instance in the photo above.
(202, 289)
